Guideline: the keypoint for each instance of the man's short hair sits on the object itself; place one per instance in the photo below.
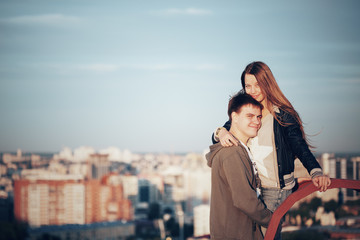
(241, 99)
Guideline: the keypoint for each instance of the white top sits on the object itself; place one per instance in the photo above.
(258, 191)
(263, 148)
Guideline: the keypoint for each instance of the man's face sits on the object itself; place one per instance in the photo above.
(248, 120)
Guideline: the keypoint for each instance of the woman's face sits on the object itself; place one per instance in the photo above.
(252, 88)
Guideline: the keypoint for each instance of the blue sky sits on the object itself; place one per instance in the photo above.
(155, 76)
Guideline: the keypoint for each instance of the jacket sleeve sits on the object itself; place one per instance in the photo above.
(298, 145)
(244, 195)
(227, 126)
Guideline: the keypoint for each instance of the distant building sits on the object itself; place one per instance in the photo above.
(6, 209)
(197, 182)
(201, 220)
(19, 161)
(73, 201)
(103, 230)
(326, 219)
(174, 185)
(49, 202)
(150, 189)
(99, 166)
(130, 188)
(65, 154)
(343, 168)
(114, 205)
(355, 169)
(334, 167)
(82, 153)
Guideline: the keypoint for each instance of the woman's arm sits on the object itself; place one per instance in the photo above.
(223, 136)
(301, 150)
(294, 138)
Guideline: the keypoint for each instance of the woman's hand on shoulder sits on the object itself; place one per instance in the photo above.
(322, 182)
(226, 139)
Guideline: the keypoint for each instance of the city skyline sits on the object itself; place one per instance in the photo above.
(156, 76)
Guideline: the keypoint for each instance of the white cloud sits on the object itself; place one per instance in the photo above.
(163, 67)
(46, 19)
(100, 67)
(209, 67)
(187, 11)
(155, 67)
(352, 80)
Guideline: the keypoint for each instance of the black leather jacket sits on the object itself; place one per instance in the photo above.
(289, 145)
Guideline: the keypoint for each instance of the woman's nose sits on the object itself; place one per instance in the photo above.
(252, 90)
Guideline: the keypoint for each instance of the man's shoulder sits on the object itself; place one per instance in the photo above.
(233, 151)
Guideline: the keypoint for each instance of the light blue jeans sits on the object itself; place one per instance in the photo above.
(273, 197)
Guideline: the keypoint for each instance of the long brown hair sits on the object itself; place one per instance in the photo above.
(274, 96)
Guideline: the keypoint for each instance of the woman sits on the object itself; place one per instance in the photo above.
(281, 139)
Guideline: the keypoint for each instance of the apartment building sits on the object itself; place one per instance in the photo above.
(57, 202)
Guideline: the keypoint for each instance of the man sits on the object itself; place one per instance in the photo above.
(236, 210)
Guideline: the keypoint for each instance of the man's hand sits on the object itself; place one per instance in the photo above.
(226, 139)
(321, 182)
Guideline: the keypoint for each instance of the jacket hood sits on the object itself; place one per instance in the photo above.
(214, 149)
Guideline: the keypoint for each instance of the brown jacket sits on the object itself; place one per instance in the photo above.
(235, 210)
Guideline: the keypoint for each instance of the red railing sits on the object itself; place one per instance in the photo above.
(305, 188)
